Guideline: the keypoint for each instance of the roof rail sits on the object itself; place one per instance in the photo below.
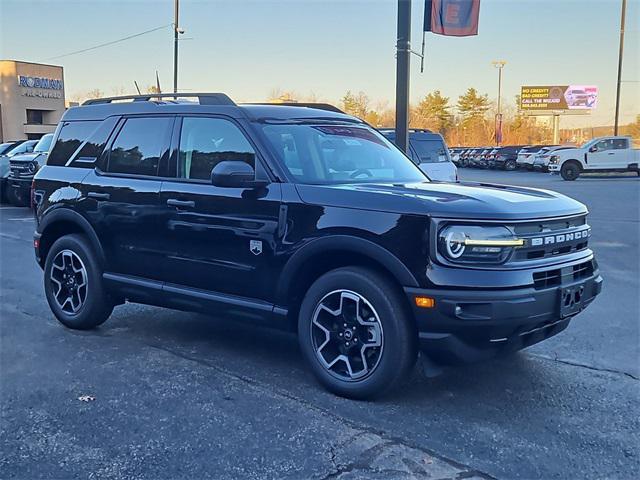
(203, 98)
(320, 106)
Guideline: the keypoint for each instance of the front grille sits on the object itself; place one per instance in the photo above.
(552, 238)
(562, 276)
(20, 169)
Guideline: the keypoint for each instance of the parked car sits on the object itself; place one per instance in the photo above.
(304, 219)
(541, 158)
(464, 157)
(22, 168)
(9, 150)
(505, 157)
(455, 155)
(429, 151)
(603, 154)
(477, 159)
(526, 156)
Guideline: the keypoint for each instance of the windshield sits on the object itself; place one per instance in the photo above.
(5, 147)
(430, 151)
(44, 144)
(324, 154)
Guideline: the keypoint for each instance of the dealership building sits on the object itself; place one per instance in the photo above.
(31, 99)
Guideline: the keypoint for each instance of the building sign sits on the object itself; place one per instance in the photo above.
(559, 97)
(40, 82)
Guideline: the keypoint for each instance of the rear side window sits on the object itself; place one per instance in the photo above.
(71, 136)
(139, 145)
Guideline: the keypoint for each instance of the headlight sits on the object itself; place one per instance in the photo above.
(554, 159)
(476, 244)
(33, 167)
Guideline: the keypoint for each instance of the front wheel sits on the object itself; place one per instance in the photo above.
(570, 171)
(73, 284)
(510, 165)
(356, 334)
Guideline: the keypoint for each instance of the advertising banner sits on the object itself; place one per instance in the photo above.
(559, 97)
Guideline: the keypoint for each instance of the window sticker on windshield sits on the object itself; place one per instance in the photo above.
(361, 133)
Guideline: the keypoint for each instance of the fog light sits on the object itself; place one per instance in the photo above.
(425, 302)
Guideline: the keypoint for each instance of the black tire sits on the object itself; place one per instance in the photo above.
(96, 306)
(570, 170)
(16, 197)
(510, 165)
(389, 363)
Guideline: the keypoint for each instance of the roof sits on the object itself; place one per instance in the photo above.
(212, 103)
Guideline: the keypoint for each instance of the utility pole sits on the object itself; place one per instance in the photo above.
(403, 68)
(176, 31)
(622, 18)
(499, 64)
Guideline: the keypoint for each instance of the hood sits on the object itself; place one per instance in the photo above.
(460, 200)
(29, 157)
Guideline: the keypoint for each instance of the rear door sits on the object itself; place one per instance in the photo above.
(218, 239)
(122, 196)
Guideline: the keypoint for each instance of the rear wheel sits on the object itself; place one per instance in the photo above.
(510, 165)
(355, 333)
(73, 284)
(570, 170)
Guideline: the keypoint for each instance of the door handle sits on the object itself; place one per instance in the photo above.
(99, 196)
(174, 202)
(611, 153)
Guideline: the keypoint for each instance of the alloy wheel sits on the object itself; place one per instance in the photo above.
(69, 281)
(347, 335)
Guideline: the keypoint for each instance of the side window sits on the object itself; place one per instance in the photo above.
(204, 142)
(96, 142)
(620, 143)
(71, 136)
(139, 145)
(603, 145)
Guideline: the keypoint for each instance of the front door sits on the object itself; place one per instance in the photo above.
(605, 156)
(218, 239)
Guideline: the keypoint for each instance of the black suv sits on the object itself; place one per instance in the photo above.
(304, 219)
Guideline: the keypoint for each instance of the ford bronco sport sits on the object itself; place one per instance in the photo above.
(306, 219)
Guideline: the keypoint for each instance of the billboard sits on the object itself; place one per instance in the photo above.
(559, 97)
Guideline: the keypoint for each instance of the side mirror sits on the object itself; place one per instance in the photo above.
(593, 148)
(235, 174)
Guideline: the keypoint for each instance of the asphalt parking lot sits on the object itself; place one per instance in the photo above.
(180, 395)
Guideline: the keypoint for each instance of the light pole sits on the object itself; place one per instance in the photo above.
(622, 15)
(499, 64)
(403, 54)
(176, 31)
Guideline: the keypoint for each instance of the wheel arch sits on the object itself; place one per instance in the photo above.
(328, 253)
(64, 221)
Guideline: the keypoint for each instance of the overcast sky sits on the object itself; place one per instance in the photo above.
(326, 47)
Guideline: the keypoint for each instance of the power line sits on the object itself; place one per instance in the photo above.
(108, 43)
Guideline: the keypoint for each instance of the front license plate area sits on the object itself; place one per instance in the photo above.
(571, 300)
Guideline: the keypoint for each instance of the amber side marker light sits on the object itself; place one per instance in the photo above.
(425, 302)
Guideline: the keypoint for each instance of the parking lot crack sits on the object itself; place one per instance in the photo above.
(363, 460)
(584, 365)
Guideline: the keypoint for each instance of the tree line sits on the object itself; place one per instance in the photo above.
(470, 121)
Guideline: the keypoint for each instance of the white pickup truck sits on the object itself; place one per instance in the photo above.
(603, 154)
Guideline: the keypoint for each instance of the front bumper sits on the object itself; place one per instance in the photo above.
(476, 324)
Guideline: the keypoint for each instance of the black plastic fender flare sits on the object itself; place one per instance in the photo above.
(342, 243)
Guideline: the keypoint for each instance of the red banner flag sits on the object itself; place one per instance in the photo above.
(458, 18)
